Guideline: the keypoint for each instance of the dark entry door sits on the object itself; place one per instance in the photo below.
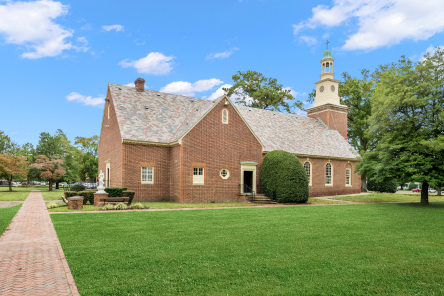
(248, 181)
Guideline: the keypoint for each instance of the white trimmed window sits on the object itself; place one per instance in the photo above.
(307, 166)
(198, 176)
(224, 174)
(225, 116)
(147, 175)
(328, 174)
(348, 177)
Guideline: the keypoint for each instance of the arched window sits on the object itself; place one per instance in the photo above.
(225, 116)
(328, 174)
(307, 166)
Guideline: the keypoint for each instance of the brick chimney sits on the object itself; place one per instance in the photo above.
(140, 84)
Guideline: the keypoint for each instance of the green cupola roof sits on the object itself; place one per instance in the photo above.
(327, 54)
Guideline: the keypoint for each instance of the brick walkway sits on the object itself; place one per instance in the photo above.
(31, 258)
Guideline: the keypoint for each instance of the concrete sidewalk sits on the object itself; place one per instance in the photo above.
(31, 258)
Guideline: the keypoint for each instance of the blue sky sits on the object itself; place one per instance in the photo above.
(57, 57)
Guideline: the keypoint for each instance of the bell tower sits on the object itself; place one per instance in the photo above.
(327, 106)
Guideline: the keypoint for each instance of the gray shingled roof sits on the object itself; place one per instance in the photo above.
(159, 117)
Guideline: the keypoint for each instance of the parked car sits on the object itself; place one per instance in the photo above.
(416, 190)
(431, 190)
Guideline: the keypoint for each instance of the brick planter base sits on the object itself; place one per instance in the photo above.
(97, 197)
(75, 203)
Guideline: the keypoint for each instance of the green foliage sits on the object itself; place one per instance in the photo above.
(52, 205)
(130, 194)
(120, 206)
(77, 187)
(387, 186)
(108, 207)
(284, 178)
(88, 196)
(71, 194)
(252, 89)
(407, 122)
(115, 191)
(137, 205)
(89, 157)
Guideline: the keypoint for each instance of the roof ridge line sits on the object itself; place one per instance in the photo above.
(172, 137)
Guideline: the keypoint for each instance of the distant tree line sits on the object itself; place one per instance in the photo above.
(55, 159)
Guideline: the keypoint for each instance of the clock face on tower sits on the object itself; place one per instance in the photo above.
(332, 88)
(321, 89)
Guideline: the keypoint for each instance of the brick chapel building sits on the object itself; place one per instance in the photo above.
(172, 147)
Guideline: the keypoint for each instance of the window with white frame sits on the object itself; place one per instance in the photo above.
(225, 116)
(328, 174)
(348, 177)
(147, 175)
(198, 176)
(307, 166)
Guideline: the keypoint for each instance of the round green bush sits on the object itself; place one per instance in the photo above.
(284, 178)
(77, 187)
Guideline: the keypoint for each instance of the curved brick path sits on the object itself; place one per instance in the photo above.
(31, 258)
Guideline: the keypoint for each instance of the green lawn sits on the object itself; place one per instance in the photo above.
(21, 193)
(6, 215)
(389, 197)
(388, 249)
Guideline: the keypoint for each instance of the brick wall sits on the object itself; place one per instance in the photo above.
(319, 188)
(110, 144)
(175, 172)
(334, 119)
(138, 156)
(214, 146)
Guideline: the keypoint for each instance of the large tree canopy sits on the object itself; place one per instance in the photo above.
(408, 123)
(252, 89)
(89, 162)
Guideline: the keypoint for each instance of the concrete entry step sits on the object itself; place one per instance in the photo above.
(260, 198)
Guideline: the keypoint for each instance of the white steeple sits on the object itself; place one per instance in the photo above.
(327, 87)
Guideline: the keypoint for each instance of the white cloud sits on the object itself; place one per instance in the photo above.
(379, 23)
(83, 47)
(31, 24)
(131, 84)
(189, 89)
(87, 101)
(295, 93)
(116, 28)
(309, 40)
(431, 50)
(86, 27)
(219, 92)
(221, 55)
(154, 63)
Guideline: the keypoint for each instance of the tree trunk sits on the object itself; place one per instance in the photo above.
(363, 185)
(50, 185)
(10, 184)
(57, 185)
(438, 189)
(425, 193)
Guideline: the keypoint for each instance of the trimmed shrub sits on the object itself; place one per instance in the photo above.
(388, 186)
(52, 205)
(284, 178)
(87, 196)
(77, 187)
(70, 194)
(130, 194)
(115, 191)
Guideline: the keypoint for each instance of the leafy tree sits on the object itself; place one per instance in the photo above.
(89, 161)
(50, 145)
(252, 89)
(408, 122)
(12, 167)
(5, 142)
(50, 169)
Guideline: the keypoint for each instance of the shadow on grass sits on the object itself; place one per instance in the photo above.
(433, 204)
